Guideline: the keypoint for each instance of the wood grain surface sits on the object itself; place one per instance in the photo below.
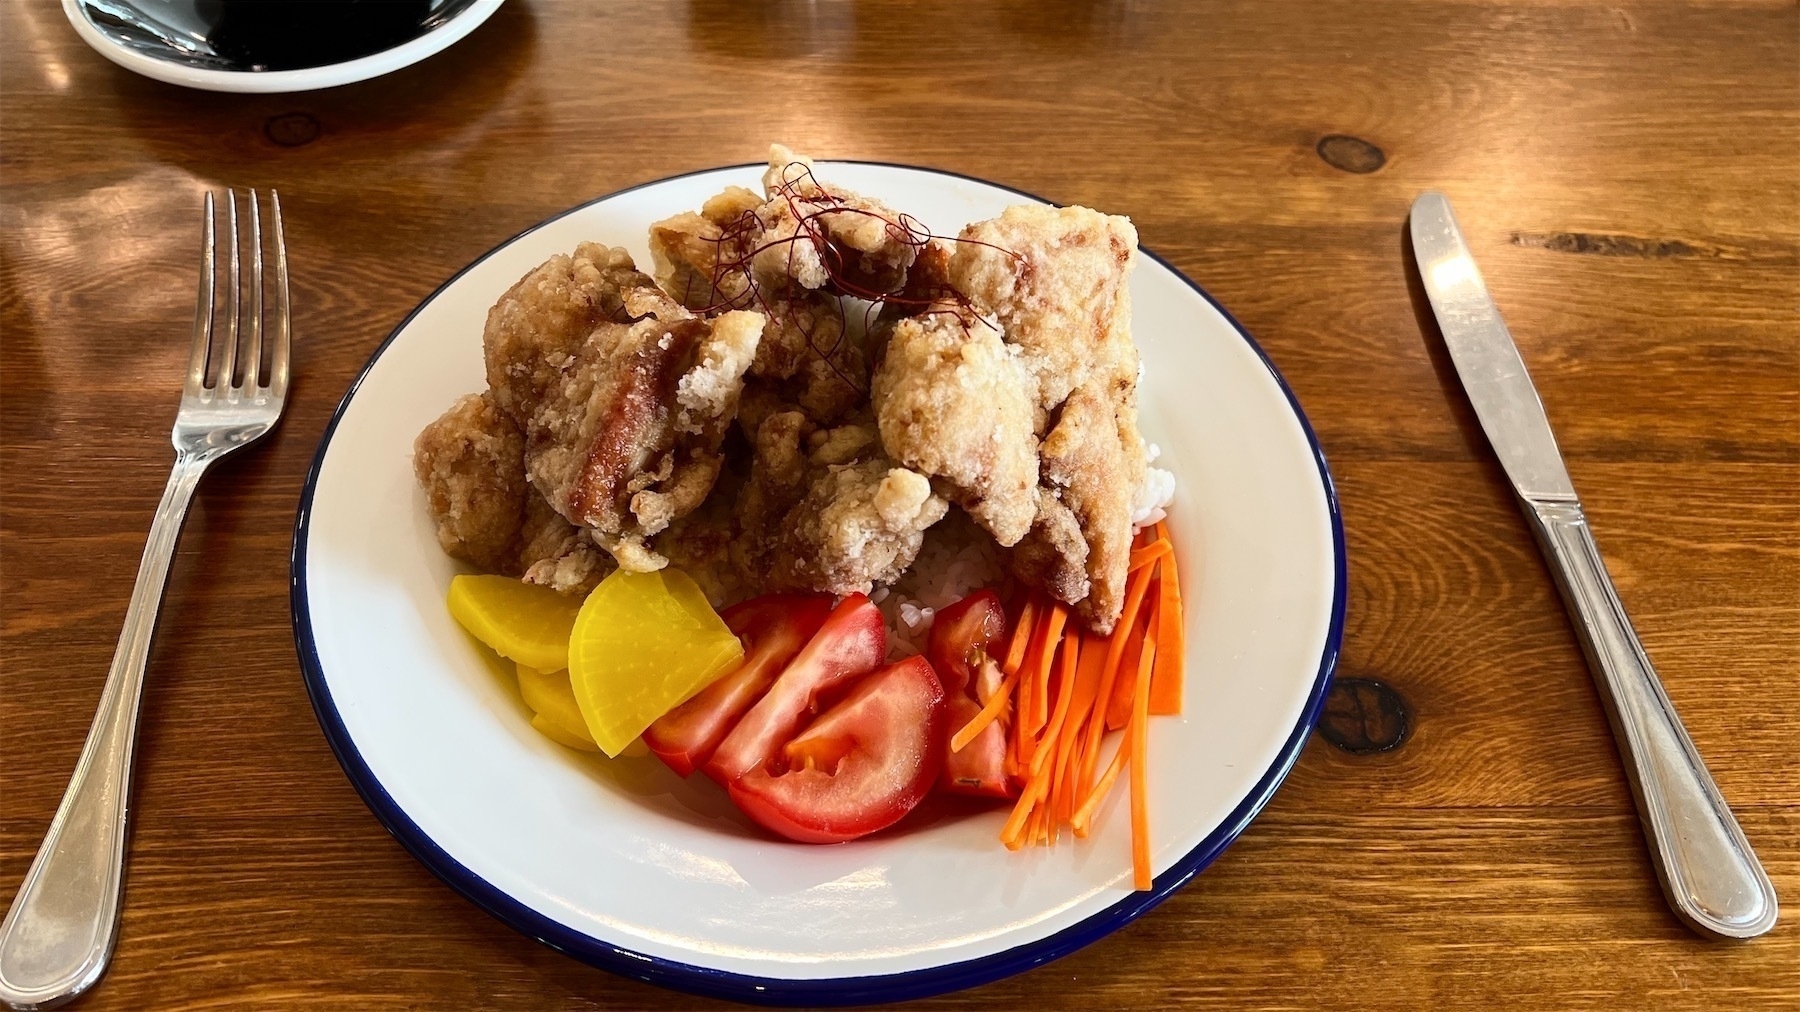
(1628, 173)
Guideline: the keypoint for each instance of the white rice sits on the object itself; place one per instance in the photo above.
(957, 559)
(1153, 497)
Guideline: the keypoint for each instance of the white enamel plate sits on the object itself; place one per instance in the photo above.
(625, 865)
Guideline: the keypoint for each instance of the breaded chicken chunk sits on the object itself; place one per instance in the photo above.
(778, 256)
(825, 511)
(1086, 467)
(556, 554)
(1053, 556)
(702, 260)
(470, 461)
(1058, 281)
(954, 402)
(858, 525)
(624, 437)
(823, 236)
(534, 329)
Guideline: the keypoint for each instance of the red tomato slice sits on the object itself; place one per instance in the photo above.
(962, 633)
(851, 643)
(774, 628)
(860, 767)
(966, 641)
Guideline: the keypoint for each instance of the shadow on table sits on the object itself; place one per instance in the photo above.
(434, 102)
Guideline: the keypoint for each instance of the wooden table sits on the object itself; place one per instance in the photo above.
(1628, 173)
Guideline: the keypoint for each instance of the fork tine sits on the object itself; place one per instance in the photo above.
(278, 350)
(203, 302)
(234, 301)
(253, 341)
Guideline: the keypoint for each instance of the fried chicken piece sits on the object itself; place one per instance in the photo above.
(823, 236)
(954, 402)
(470, 461)
(627, 438)
(779, 474)
(534, 330)
(556, 554)
(1053, 555)
(1058, 281)
(700, 543)
(704, 261)
(824, 510)
(927, 283)
(858, 525)
(845, 444)
(1087, 467)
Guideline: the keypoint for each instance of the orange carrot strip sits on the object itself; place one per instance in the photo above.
(1001, 699)
(1084, 816)
(1141, 557)
(1071, 727)
(1140, 796)
(1118, 705)
(1021, 634)
(1052, 636)
(1011, 833)
(1080, 730)
(1165, 682)
(1125, 633)
(1065, 691)
(1028, 721)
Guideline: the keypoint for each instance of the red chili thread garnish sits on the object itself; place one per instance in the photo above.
(808, 209)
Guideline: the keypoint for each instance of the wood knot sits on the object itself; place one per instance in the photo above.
(291, 129)
(1351, 154)
(1605, 245)
(1363, 716)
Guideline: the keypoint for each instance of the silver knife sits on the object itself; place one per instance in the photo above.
(1708, 871)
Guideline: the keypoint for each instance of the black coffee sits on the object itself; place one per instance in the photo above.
(296, 34)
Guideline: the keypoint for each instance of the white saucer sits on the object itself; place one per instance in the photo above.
(277, 81)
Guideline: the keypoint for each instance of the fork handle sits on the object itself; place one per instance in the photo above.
(59, 933)
(1708, 871)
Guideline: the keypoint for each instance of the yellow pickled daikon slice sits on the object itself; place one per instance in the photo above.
(643, 644)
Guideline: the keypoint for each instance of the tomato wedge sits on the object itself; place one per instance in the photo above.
(966, 640)
(774, 628)
(860, 767)
(851, 643)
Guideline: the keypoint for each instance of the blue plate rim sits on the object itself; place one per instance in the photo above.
(775, 990)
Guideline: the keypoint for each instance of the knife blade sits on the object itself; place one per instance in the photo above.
(1486, 359)
(1707, 869)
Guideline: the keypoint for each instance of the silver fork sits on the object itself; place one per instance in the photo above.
(59, 934)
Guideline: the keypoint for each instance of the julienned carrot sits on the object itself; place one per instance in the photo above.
(1140, 797)
(996, 704)
(1051, 633)
(1013, 833)
(1118, 705)
(1165, 683)
(1141, 557)
(1124, 634)
(1026, 721)
(1085, 814)
(1015, 649)
(1054, 749)
(1072, 750)
(1065, 691)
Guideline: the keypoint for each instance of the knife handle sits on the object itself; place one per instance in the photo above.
(1707, 868)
